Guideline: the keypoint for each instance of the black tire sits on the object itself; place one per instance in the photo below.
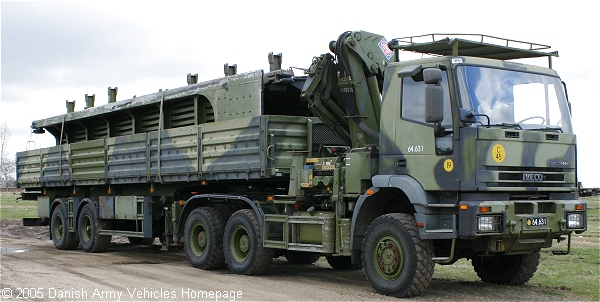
(203, 237)
(508, 270)
(396, 261)
(343, 263)
(88, 226)
(244, 252)
(59, 228)
(140, 241)
(301, 258)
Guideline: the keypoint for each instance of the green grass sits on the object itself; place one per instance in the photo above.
(9, 209)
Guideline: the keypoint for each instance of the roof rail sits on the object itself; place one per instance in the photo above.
(476, 45)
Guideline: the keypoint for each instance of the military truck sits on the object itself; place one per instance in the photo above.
(374, 163)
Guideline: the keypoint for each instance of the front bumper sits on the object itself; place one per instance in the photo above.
(520, 226)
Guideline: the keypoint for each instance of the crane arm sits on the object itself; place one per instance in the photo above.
(345, 90)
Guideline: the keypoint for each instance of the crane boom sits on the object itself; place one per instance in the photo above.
(345, 90)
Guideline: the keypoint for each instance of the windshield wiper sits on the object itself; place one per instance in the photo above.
(507, 125)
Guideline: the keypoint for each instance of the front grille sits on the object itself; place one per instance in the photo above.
(547, 207)
(525, 177)
(523, 208)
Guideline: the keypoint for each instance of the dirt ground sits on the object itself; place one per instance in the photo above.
(33, 269)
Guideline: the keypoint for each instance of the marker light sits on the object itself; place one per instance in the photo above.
(485, 209)
(579, 207)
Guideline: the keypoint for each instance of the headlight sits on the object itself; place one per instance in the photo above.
(489, 224)
(575, 221)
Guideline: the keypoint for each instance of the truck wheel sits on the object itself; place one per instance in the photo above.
(244, 252)
(59, 226)
(301, 258)
(88, 226)
(502, 269)
(204, 238)
(343, 263)
(396, 261)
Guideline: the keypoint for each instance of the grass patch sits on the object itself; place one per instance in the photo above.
(9, 209)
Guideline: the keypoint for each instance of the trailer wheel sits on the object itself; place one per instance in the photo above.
(510, 270)
(244, 252)
(59, 226)
(203, 238)
(396, 261)
(301, 258)
(88, 227)
(343, 263)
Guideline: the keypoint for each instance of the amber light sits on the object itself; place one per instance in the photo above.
(181, 202)
(420, 224)
(578, 207)
(370, 192)
(269, 198)
(485, 209)
(203, 183)
(464, 207)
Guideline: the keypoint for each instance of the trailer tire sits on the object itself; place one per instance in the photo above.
(343, 263)
(507, 270)
(203, 238)
(59, 226)
(301, 258)
(244, 252)
(88, 226)
(397, 261)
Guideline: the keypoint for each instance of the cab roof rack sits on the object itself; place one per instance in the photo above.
(474, 45)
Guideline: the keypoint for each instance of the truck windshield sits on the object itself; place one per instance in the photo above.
(513, 98)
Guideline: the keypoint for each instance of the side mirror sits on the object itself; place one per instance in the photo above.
(434, 95)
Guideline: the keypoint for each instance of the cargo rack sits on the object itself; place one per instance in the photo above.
(475, 45)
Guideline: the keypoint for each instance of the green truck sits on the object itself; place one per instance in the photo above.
(371, 162)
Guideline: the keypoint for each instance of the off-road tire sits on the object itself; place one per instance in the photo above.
(343, 263)
(59, 228)
(301, 258)
(88, 226)
(244, 252)
(507, 270)
(396, 260)
(203, 237)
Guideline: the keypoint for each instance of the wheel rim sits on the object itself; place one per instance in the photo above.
(198, 239)
(388, 257)
(240, 243)
(58, 228)
(86, 226)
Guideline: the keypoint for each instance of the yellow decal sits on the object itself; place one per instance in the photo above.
(448, 165)
(498, 153)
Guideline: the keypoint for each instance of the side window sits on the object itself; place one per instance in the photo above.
(413, 100)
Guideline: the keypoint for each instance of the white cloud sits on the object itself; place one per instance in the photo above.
(57, 51)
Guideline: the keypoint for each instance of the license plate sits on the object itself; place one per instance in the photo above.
(537, 221)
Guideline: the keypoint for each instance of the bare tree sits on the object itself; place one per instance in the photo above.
(7, 163)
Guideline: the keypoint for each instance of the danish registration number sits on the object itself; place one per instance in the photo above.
(537, 221)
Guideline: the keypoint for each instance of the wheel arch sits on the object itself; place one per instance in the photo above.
(391, 194)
